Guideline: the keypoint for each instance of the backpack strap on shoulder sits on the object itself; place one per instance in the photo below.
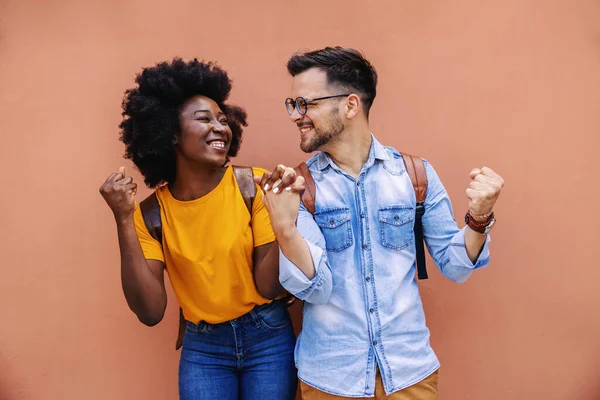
(150, 209)
(309, 196)
(416, 171)
(245, 180)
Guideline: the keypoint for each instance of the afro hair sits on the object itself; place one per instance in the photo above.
(151, 113)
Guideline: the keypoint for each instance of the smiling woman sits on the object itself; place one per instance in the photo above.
(164, 105)
(205, 136)
(217, 247)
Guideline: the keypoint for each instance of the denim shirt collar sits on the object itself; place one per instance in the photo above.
(376, 152)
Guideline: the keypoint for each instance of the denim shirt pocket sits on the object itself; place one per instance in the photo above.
(336, 228)
(396, 224)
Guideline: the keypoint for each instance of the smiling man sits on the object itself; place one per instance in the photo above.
(352, 257)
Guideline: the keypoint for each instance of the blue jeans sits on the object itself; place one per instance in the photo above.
(247, 358)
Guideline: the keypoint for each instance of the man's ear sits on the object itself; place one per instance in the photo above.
(353, 106)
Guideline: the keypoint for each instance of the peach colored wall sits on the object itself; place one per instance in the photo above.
(514, 85)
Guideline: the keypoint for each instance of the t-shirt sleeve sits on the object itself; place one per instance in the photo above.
(151, 247)
(261, 223)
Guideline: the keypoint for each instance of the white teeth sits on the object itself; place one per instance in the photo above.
(304, 130)
(217, 145)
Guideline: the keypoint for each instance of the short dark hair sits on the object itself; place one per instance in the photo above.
(151, 113)
(345, 67)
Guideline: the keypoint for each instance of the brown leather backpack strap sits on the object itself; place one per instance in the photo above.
(309, 196)
(181, 331)
(150, 209)
(416, 171)
(245, 180)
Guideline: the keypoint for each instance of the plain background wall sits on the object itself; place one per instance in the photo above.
(514, 85)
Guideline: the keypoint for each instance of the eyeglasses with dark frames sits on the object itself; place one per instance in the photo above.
(301, 104)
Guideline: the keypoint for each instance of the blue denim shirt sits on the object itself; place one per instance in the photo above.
(362, 309)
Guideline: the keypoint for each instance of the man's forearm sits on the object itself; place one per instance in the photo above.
(474, 242)
(296, 250)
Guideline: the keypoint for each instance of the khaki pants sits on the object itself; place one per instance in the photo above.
(424, 390)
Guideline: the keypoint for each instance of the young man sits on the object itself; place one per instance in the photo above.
(353, 262)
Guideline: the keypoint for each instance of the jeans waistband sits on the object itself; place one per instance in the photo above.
(250, 316)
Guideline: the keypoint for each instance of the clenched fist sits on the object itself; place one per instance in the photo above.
(119, 193)
(483, 190)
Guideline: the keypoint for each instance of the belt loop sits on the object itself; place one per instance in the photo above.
(253, 314)
(202, 326)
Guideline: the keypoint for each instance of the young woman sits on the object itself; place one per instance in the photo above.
(222, 259)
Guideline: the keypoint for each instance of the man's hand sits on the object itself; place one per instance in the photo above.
(283, 207)
(483, 191)
(282, 190)
(282, 178)
(119, 193)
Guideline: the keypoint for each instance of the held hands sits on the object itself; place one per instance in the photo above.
(119, 193)
(282, 190)
(483, 191)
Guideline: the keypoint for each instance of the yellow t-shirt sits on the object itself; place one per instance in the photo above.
(208, 247)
